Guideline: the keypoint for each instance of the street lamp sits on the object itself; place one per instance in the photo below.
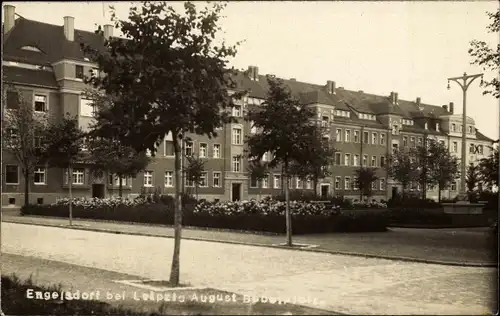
(464, 82)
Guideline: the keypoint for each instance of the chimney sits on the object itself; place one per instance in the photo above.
(445, 107)
(330, 86)
(395, 98)
(418, 101)
(451, 107)
(69, 28)
(255, 73)
(293, 79)
(9, 16)
(108, 31)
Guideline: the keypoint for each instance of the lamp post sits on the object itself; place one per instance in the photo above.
(464, 82)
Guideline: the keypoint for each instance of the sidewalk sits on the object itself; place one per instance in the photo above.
(450, 247)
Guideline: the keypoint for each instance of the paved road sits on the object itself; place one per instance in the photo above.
(344, 284)
(453, 246)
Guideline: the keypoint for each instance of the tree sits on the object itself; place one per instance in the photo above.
(402, 167)
(365, 177)
(472, 178)
(314, 164)
(445, 168)
(194, 171)
(21, 131)
(488, 58)
(489, 169)
(286, 129)
(64, 141)
(258, 170)
(107, 152)
(171, 76)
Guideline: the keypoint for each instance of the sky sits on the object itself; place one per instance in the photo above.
(378, 47)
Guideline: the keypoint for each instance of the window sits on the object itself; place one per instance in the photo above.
(405, 141)
(216, 153)
(148, 178)
(203, 150)
(394, 148)
(79, 71)
(169, 148)
(337, 183)
(277, 181)
(455, 147)
(365, 160)
(347, 183)
(11, 174)
(78, 176)
(382, 161)
(237, 111)
(426, 126)
(437, 127)
(324, 121)
(265, 183)
(382, 139)
(347, 136)
(40, 103)
(374, 161)
(290, 183)
(395, 129)
(308, 184)
(453, 186)
(39, 176)
(338, 135)
(382, 184)
(216, 179)
(374, 138)
(420, 141)
(253, 128)
(374, 185)
(87, 107)
(253, 182)
(338, 160)
(189, 182)
(412, 142)
(169, 179)
(124, 181)
(356, 136)
(347, 159)
(299, 184)
(453, 127)
(472, 148)
(236, 164)
(204, 180)
(470, 129)
(366, 139)
(356, 160)
(480, 149)
(237, 139)
(188, 148)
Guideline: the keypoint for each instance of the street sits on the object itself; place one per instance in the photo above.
(344, 284)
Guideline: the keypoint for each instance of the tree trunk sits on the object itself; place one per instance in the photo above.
(26, 188)
(175, 267)
(70, 183)
(196, 191)
(120, 186)
(315, 184)
(439, 193)
(287, 209)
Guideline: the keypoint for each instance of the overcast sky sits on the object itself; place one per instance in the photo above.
(407, 47)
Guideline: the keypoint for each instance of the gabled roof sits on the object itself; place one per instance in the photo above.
(481, 136)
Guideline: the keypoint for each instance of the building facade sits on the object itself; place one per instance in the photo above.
(45, 64)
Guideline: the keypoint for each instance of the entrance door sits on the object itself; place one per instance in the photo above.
(325, 188)
(394, 192)
(98, 190)
(236, 192)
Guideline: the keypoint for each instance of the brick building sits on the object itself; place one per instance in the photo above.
(47, 66)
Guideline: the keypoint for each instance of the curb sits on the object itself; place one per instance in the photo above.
(332, 252)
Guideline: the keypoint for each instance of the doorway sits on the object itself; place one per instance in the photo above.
(325, 190)
(98, 190)
(394, 192)
(236, 192)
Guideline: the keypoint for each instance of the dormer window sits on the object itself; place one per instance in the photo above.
(342, 113)
(31, 48)
(437, 127)
(426, 126)
(407, 122)
(453, 127)
(470, 129)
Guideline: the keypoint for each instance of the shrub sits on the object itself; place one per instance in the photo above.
(299, 195)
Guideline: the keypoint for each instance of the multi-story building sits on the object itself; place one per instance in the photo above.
(45, 63)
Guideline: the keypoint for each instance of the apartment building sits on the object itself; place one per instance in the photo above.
(45, 63)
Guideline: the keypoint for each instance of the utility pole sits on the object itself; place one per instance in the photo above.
(464, 82)
(361, 140)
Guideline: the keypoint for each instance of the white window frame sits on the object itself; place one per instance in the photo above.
(204, 180)
(203, 150)
(382, 139)
(148, 174)
(373, 161)
(75, 176)
(339, 160)
(382, 184)
(216, 175)
(338, 135)
(298, 183)
(237, 110)
(237, 138)
(356, 160)
(87, 108)
(347, 159)
(216, 150)
(265, 182)
(347, 136)
(413, 142)
(18, 174)
(469, 129)
(454, 147)
(117, 181)
(276, 181)
(364, 161)
(437, 127)
(453, 186)
(356, 137)
(42, 171)
(76, 72)
(46, 103)
(405, 141)
(236, 164)
(338, 183)
(308, 184)
(253, 185)
(382, 158)
(374, 185)
(374, 138)
(347, 183)
(453, 127)
(188, 145)
(169, 179)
